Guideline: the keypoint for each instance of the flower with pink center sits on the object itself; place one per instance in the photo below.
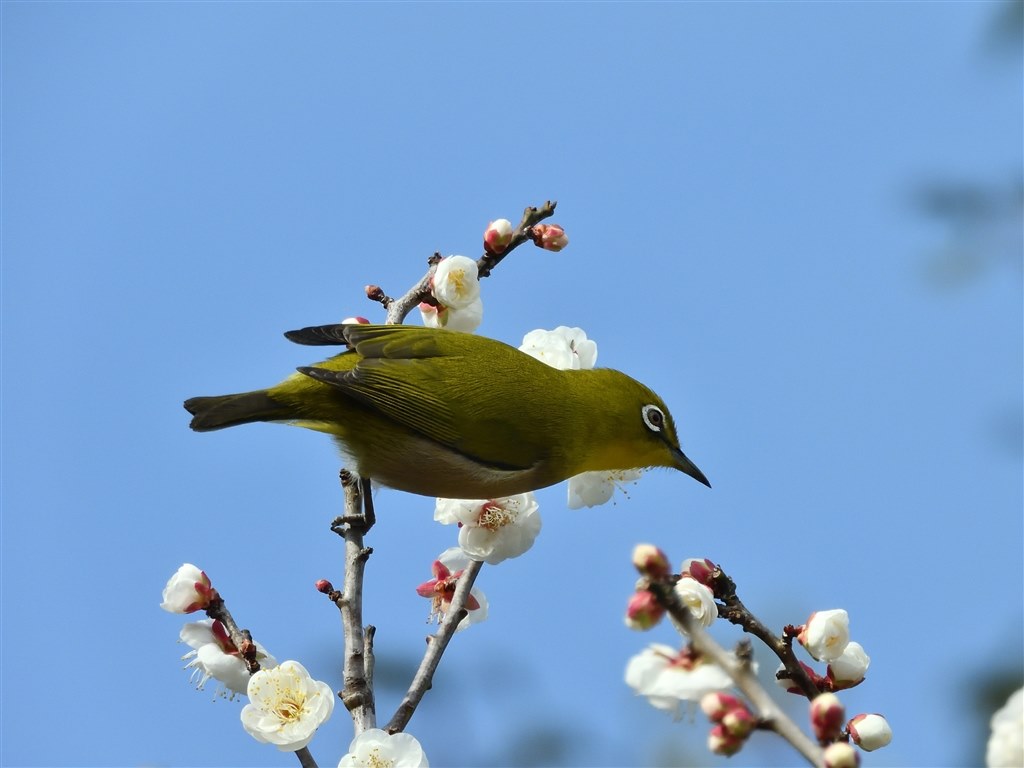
(667, 677)
(492, 530)
(441, 589)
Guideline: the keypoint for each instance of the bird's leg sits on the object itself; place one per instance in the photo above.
(359, 512)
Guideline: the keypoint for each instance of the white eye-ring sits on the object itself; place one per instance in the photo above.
(653, 417)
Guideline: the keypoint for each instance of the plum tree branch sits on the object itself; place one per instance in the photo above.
(771, 715)
(399, 308)
(436, 645)
(357, 693)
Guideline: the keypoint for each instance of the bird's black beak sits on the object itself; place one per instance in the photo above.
(683, 464)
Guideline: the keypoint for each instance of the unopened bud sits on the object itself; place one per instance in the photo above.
(841, 755)
(355, 320)
(869, 732)
(700, 570)
(651, 561)
(324, 586)
(550, 237)
(739, 722)
(716, 704)
(643, 611)
(721, 742)
(827, 716)
(497, 236)
(849, 669)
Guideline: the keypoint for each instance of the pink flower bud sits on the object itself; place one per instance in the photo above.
(716, 704)
(869, 732)
(497, 236)
(550, 237)
(827, 715)
(700, 570)
(651, 561)
(841, 755)
(324, 586)
(355, 320)
(721, 742)
(643, 611)
(739, 722)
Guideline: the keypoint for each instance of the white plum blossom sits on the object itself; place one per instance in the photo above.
(567, 349)
(467, 319)
(213, 655)
(698, 599)
(826, 634)
(869, 732)
(850, 668)
(188, 590)
(1006, 743)
(286, 706)
(376, 748)
(591, 489)
(456, 282)
(668, 677)
(492, 530)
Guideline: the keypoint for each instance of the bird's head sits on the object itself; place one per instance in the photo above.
(645, 433)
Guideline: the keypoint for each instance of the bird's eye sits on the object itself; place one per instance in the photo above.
(653, 417)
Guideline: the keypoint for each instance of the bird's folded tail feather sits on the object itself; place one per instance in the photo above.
(210, 413)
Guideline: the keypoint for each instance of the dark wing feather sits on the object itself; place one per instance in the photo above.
(318, 335)
(432, 381)
(386, 387)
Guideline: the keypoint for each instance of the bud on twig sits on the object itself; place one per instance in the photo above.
(550, 237)
(827, 716)
(651, 561)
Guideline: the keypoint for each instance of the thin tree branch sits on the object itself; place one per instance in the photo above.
(242, 638)
(436, 645)
(520, 235)
(737, 613)
(243, 641)
(357, 694)
(399, 308)
(771, 716)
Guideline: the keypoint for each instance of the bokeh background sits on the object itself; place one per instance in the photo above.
(798, 222)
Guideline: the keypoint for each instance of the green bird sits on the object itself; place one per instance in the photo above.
(444, 413)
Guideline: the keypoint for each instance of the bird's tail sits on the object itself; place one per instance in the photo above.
(210, 413)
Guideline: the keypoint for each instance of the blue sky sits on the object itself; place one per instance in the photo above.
(742, 187)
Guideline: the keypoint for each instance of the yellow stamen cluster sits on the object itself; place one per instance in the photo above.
(376, 761)
(288, 702)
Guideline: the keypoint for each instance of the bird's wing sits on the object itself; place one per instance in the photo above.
(413, 375)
